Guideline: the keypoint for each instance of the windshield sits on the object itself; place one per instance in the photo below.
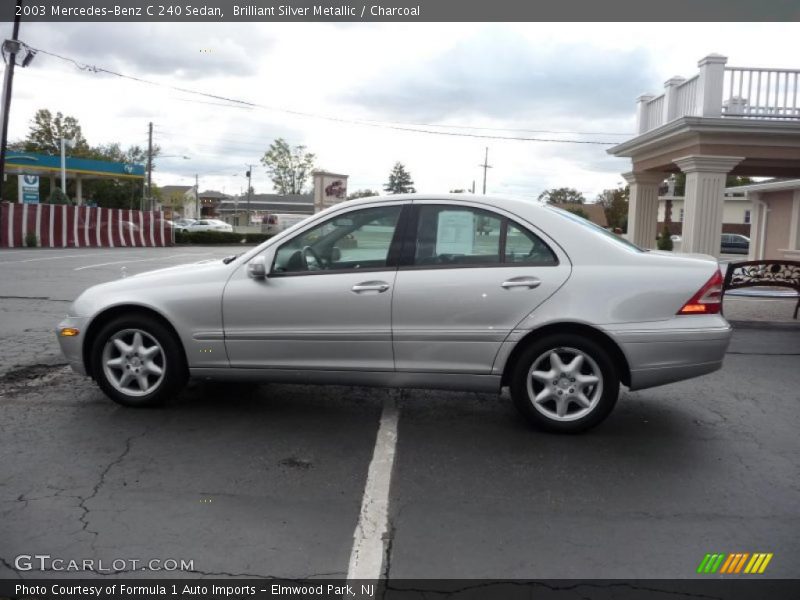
(596, 228)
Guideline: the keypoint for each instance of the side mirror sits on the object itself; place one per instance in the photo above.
(257, 268)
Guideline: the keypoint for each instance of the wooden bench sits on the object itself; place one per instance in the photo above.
(764, 273)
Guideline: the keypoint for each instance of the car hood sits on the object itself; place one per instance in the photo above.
(144, 288)
(185, 269)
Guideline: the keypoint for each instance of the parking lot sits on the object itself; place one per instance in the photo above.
(269, 480)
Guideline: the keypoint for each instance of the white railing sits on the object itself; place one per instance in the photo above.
(721, 91)
(761, 93)
(654, 111)
(685, 102)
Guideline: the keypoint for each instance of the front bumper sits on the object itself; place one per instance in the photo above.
(674, 352)
(72, 346)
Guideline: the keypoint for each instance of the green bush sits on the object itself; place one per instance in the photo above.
(219, 237)
(31, 241)
(665, 241)
(256, 238)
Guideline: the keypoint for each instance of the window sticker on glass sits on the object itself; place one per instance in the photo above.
(455, 232)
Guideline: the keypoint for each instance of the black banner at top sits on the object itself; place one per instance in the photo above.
(264, 11)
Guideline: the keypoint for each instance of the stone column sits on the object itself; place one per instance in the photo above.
(703, 203)
(643, 207)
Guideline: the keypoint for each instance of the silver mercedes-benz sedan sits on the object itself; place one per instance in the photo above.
(456, 292)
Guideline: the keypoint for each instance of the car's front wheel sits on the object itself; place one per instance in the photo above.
(565, 383)
(137, 361)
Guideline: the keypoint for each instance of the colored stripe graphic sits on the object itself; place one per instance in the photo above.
(729, 562)
(741, 562)
(734, 562)
(765, 563)
(701, 568)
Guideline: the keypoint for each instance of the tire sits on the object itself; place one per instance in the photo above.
(158, 350)
(566, 404)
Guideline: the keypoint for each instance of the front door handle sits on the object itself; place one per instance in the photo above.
(519, 282)
(370, 286)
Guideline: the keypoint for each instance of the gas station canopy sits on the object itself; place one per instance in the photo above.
(31, 163)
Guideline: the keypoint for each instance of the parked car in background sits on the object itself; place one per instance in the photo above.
(275, 222)
(735, 243)
(183, 224)
(208, 225)
(406, 291)
(675, 238)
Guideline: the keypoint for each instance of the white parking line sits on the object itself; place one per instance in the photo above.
(369, 538)
(122, 262)
(27, 260)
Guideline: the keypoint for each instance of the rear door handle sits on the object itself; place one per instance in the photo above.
(519, 282)
(370, 286)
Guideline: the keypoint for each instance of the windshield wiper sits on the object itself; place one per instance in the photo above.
(230, 259)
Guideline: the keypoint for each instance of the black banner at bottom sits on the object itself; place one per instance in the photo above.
(110, 588)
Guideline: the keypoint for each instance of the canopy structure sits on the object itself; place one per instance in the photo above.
(79, 169)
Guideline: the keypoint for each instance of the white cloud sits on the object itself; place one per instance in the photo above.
(552, 77)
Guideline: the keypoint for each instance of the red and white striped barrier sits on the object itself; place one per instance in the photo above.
(62, 226)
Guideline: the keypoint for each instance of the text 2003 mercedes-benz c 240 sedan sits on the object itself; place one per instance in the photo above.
(455, 292)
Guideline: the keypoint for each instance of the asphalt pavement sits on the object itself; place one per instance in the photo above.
(247, 480)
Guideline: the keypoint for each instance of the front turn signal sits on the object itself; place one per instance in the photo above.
(68, 332)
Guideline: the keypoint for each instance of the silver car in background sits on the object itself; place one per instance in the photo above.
(455, 292)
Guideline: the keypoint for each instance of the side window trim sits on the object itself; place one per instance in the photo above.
(408, 251)
(392, 255)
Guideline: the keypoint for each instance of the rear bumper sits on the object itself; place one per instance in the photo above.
(674, 350)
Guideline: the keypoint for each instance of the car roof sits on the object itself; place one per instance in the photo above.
(510, 203)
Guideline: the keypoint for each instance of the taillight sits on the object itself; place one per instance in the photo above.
(707, 300)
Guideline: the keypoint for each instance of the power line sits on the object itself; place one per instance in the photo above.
(244, 103)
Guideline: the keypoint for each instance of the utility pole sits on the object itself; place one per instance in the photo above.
(485, 166)
(473, 186)
(150, 166)
(249, 188)
(8, 80)
(197, 196)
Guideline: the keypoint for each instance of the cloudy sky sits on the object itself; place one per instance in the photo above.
(553, 81)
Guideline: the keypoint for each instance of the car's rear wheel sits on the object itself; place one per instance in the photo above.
(565, 383)
(137, 361)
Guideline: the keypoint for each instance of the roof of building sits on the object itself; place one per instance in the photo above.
(286, 199)
(597, 214)
(771, 185)
(292, 203)
(212, 194)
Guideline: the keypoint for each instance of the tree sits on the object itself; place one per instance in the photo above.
(577, 210)
(362, 194)
(562, 196)
(400, 181)
(46, 131)
(665, 240)
(289, 168)
(615, 205)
